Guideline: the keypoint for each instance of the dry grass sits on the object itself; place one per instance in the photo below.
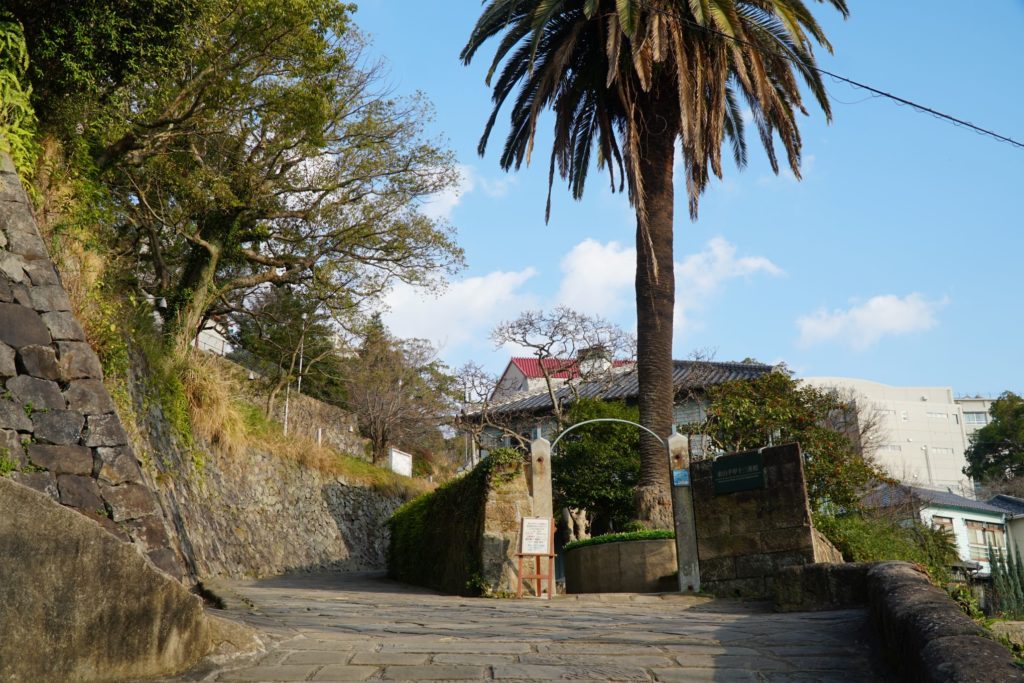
(213, 410)
(223, 415)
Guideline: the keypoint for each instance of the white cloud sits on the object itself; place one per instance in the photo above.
(465, 311)
(596, 278)
(442, 204)
(863, 325)
(701, 276)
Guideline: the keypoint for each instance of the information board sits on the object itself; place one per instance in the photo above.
(740, 472)
(681, 477)
(535, 536)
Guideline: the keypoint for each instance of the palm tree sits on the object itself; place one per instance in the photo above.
(631, 77)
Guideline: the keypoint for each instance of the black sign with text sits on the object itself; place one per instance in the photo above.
(741, 472)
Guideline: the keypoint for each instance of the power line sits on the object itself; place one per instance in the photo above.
(875, 92)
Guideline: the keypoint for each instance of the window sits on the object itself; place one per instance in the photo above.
(890, 448)
(944, 523)
(941, 451)
(887, 412)
(982, 535)
(975, 418)
(904, 416)
(937, 416)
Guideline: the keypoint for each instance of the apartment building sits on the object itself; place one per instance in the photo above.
(921, 438)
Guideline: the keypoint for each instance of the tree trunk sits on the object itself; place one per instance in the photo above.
(658, 120)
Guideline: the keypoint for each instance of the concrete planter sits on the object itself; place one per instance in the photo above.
(622, 567)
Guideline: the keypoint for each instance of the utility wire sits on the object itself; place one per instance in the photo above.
(875, 92)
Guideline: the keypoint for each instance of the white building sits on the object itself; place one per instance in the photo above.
(975, 525)
(921, 439)
(975, 409)
(400, 462)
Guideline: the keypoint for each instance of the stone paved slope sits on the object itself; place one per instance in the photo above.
(345, 627)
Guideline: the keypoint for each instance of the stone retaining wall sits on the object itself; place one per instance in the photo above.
(76, 604)
(744, 538)
(647, 566)
(58, 428)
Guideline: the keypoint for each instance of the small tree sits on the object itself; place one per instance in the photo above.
(996, 453)
(281, 334)
(567, 341)
(596, 468)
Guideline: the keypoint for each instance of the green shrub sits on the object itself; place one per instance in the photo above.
(436, 539)
(7, 465)
(1007, 583)
(645, 535)
(867, 538)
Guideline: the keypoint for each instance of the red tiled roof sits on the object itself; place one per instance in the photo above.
(560, 368)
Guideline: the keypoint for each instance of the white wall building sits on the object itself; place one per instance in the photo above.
(921, 440)
(400, 462)
(975, 409)
(974, 525)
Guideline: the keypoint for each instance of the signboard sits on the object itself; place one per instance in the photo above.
(400, 462)
(740, 472)
(681, 477)
(535, 536)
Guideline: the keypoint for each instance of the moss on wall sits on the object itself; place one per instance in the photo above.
(437, 539)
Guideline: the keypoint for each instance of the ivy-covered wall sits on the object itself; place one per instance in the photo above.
(461, 537)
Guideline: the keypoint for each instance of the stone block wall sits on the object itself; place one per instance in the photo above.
(58, 427)
(309, 417)
(744, 538)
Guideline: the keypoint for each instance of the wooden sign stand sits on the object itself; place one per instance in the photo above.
(538, 543)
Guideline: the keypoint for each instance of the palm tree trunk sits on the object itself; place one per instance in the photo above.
(655, 301)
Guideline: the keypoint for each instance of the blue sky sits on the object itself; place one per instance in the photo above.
(896, 259)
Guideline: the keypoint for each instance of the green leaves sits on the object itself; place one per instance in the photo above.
(775, 409)
(17, 117)
(597, 467)
(628, 11)
(996, 452)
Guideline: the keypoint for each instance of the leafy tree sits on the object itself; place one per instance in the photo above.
(282, 335)
(269, 156)
(17, 117)
(632, 77)
(84, 51)
(399, 392)
(996, 453)
(596, 468)
(775, 409)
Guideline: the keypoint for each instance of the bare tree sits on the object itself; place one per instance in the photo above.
(567, 342)
(399, 391)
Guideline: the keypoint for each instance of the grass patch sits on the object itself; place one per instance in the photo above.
(7, 465)
(645, 535)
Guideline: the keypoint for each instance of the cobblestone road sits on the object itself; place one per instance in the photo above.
(355, 627)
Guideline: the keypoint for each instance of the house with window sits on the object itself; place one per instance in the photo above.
(975, 525)
(1014, 509)
(529, 375)
(528, 415)
(976, 416)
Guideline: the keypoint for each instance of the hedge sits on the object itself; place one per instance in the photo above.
(646, 535)
(437, 539)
